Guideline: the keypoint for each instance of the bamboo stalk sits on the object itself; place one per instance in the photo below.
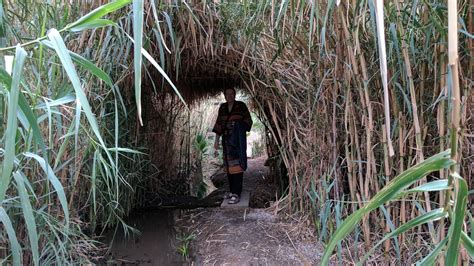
(441, 131)
(383, 71)
(416, 122)
(347, 144)
(453, 63)
(401, 146)
(387, 176)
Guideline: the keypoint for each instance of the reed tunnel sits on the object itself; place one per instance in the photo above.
(348, 96)
(171, 128)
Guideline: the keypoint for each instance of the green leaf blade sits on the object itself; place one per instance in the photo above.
(28, 215)
(437, 162)
(15, 246)
(468, 244)
(88, 65)
(63, 53)
(390, 191)
(6, 79)
(99, 13)
(137, 54)
(458, 218)
(162, 72)
(12, 123)
(54, 181)
(437, 185)
(93, 24)
(422, 219)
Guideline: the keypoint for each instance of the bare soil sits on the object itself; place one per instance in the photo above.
(247, 237)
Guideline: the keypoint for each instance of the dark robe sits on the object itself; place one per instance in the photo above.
(233, 127)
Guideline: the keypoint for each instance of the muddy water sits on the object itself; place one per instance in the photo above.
(155, 245)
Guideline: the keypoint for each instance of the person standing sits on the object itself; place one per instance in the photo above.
(232, 123)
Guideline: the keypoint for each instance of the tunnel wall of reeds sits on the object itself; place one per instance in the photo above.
(170, 133)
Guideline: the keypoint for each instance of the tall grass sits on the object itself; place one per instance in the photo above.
(58, 142)
(315, 70)
(447, 245)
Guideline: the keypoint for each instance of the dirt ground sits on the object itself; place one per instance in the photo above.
(248, 236)
(222, 235)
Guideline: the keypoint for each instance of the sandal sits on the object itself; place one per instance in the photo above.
(234, 198)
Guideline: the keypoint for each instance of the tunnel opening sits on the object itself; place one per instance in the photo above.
(181, 173)
(177, 136)
(175, 176)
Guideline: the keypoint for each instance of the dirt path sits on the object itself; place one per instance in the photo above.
(247, 236)
(220, 236)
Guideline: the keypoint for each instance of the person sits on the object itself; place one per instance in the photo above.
(232, 123)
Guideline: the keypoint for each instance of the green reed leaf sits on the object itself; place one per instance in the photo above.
(455, 229)
(137, 54)
(390, 191)
(12, 123)
(86, 64)
(468, 244)
(437, 185)
(15, 246)
(93, 24)
(162, 72)
(63, 53)
(430, 259)
(54, 181)
(97, 13)
(28, 215)
(6, 79)
(422, 219)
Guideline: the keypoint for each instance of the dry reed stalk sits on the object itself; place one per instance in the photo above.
(453, 61)
(416, 122)
(348, 153)
(291, 152)
(401, 140)
(358, 152)
(383, 70)
(354, 143)
(367, 120)
(334, 136)
(441, 129)
(387, 176)
(453, 64)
